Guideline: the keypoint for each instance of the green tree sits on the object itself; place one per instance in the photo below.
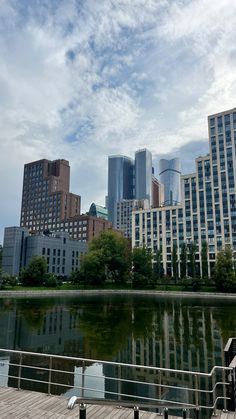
(158, 267)
(224, 275)
(35, 273)
(76, 277)
(109, 258)
(204, 257)
(175, 263)
(92, 269)
(192, 259)
(142, 266)
(7, 280)
(183, 261)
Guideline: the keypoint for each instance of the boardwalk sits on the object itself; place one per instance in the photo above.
(23, 404)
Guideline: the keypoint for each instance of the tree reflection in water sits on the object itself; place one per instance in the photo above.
(182, 333)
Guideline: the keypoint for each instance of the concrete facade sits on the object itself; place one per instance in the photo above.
(124, 214)
(61, 253)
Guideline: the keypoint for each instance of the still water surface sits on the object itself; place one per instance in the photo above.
(180, 333)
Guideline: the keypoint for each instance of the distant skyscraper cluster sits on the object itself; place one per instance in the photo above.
(131, 184)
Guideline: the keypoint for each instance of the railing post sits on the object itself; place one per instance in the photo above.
(165, 413)
(82, 411)
(50, 375)
(136, 412)
(233, 375)
(214, 399)
(196, 413)
(196, 390)
(83, 378)
(119, 382)
(19, 372)
(159, 410)
(230, 361)
(184, 413)
(225, 392)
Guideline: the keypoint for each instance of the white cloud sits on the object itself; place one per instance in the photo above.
(82, 80)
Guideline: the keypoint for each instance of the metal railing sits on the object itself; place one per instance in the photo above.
(99, 382)
(230, 361)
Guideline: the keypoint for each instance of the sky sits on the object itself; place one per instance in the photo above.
(85, 79)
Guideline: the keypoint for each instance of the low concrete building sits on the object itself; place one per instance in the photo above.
(62, 253)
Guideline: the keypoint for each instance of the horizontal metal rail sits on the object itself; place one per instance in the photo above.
(160, 375)
(117, 364)
(126, 403)
(112, 379)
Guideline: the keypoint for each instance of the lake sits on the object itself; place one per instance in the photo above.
(170, 332)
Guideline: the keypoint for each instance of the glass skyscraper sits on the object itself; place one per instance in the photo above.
(120, 183)
(143, 174)
(129, 180)
(170, 179)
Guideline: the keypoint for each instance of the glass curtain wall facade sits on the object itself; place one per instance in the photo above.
(128, 180)
(143, 174)
(208, 209)
(170, 178)
(120, 183)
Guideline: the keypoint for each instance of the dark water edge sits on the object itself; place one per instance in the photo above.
(185, 333)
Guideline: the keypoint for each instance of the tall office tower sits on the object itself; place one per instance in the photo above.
(143, 174)
(46, 199)
(120, 183)
(170, 178)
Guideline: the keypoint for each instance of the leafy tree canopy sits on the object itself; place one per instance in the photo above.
(224, 275)
(109, 257)
(142, 266)
(35, 273)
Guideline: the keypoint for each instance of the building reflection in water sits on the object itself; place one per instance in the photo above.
(161, 332)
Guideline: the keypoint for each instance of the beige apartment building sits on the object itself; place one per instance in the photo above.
(207, 211)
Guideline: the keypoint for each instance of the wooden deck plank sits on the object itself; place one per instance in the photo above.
(25, 404)
(231, 415)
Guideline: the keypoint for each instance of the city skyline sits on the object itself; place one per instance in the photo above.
(85, 80)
